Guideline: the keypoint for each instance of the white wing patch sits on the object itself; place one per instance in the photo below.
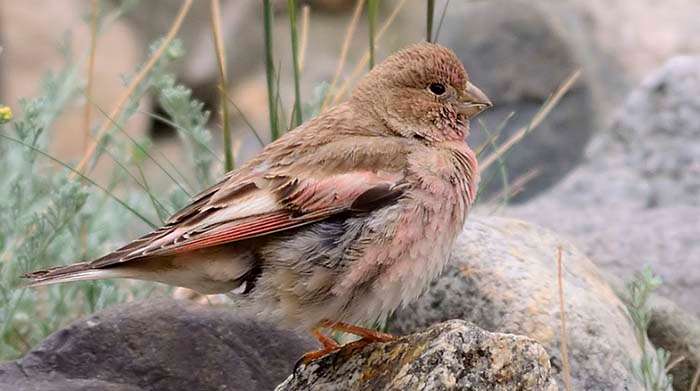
(256, 203)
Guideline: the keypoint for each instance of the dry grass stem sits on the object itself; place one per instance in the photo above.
(442, 19)
(695, 384)
(223, 82)
(90, 73)
(563, 348)
(534, 123)
(123, 99)
(517, 186)
(297, 115)
(492, 138)
(344, 49)
(429, 22)
(243, 117)
(673, 363)
(365, 58)
(304, 39)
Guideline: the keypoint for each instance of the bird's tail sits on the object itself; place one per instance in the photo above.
(81, 271)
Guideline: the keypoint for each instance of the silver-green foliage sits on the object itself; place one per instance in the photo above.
(650, 370)
(49, 216)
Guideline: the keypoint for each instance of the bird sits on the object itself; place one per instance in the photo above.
(337, 223)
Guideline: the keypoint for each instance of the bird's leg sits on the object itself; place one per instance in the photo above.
(328, 343)
(366, 334)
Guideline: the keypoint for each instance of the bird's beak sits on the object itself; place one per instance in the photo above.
(473, 101)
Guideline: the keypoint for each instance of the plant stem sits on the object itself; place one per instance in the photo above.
(372, 15)
(344, 51)
(292, 9)
(123, 99)
(223, 81)
(83, 177)
(305, 15)
(534, 122)
(270, 70)
(365, 58)
(429, 24)
(90, 73)
(442, 19)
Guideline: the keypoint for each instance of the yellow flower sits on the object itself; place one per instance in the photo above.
(5, 114)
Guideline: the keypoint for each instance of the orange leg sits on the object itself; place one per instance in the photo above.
(366, 334)
(328, 343)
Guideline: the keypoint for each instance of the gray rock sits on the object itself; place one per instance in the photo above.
(636, 198)
(677, 332)
(454, 355)
(673, 329)
(504, 278)
(518, 54)
(159, 345)
(622, 240)
(652, 149)
(657, 134)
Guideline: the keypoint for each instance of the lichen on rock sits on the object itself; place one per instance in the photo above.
(454, 355)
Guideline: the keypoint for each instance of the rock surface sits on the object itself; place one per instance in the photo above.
(678, 333)
(159, 345)
(504, 278)
(454, 355)
(636, 198)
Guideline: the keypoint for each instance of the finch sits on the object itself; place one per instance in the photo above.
(338, 222)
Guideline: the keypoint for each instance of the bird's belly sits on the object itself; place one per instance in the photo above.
(419, 256)
(397, 266)
(355, 269)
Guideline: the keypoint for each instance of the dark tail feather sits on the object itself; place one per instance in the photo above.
(81, 271)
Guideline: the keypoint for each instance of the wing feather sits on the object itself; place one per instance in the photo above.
(259, 207)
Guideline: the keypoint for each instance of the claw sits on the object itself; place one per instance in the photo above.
(367, 336)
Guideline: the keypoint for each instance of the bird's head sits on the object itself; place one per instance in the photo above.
(422, 91)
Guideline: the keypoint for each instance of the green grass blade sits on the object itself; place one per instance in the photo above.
(223, 83)
(502, 168)
(245, 119)
(143, 150)
(442, 19)
(429, 22)
(296, 114)
(162, 212)
(182, 128)
(85, 178)
(157, 205)
(270, 70)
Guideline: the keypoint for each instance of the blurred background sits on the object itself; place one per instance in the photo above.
(615, 164)
(518, 51)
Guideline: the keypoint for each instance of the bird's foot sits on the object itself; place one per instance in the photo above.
(366, 334)
(328, 343)
(316, 354)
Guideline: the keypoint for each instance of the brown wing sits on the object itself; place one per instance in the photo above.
(258, 206)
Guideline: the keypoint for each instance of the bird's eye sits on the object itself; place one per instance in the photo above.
(437, 88)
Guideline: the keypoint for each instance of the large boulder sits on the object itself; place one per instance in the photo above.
(159, 345)
(636, 198)
(454, 355)
(504, 278)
